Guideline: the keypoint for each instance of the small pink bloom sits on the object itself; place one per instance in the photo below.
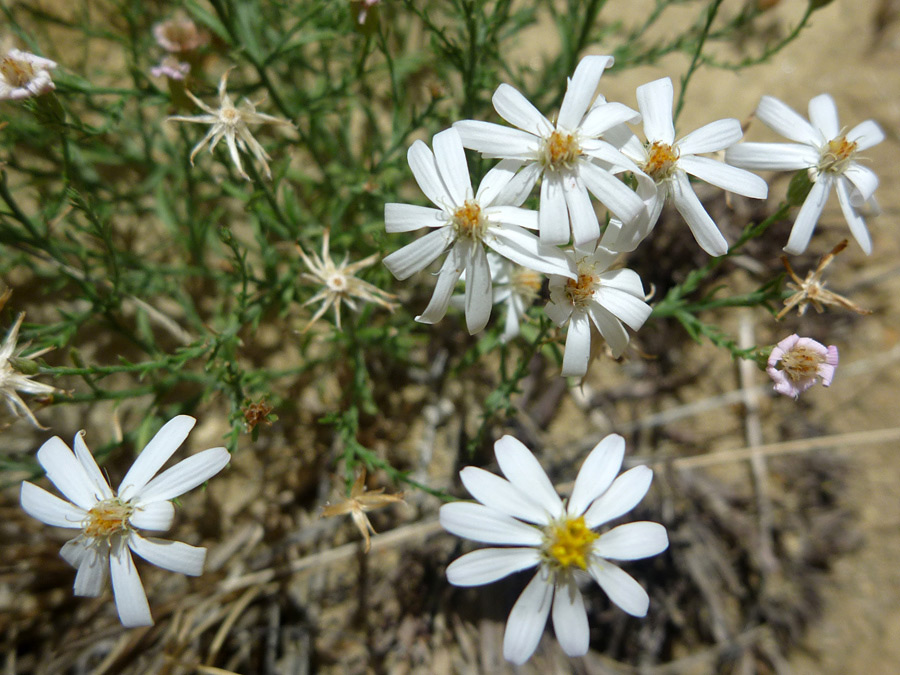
(179, 35)
(172, 68)
(23, 75)
(797, 362)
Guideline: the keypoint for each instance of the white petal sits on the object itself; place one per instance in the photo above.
(613, 193)
(610, 328)
(711, 137)
(606, 116)
(407, 217)
(609, 155)
(418, 255)
(450, 272)
(131, 601)
(578, 345)
(156, 516)
(479, 298)
(495, 140)
(581, 90)
(786, 121)
(772, 156)
(856, 222)
(425, 171)
(527, 620)
(480, 523)
(488, 565)
(632, 541)
(570, 620)
(50, 509)
(76, 550)
(496, 181)
(157, 452)
(624, 280)
(512, 215)
(170, 555)
(517, 190)
(82, 454)
(523, 248)
(585, 227)
(512, 106)
(824, 116)
(864, 180)
(624, 494)
(809, 214)
(630, 310)
(865, 135)
(91, 576)
(66, 473)
(184, 476)
(597, 473)
(655, 103)
(523, 470)
(725, 176)
(452, 165)
(553, 213)
(702, 226)
(620, 587)
(501, 495)
(559, 312)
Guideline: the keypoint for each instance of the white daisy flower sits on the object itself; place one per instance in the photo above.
(827, 152)
(109, 522)
(23, 75)
(525, 516)
(466, 223)
(601, 296)
(668, 162)
(517, 287)
(563, 153)
(16, 372)
(230, 123)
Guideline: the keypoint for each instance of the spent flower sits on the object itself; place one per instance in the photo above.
(668, 162)
(607, 298)
(230, 122)
(797, 363)
(23, 75)
(812, 291)
(16, 372)
(339, 283)
(358, 503)
(570, 155)
(528, 525)
(466, 223)
(109, 522)
(829, 155)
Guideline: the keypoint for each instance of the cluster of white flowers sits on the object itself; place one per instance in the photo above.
(583, 154)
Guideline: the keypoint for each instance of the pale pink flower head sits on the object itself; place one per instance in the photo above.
(171, 68)
(179, 34)
(23, 75)
(796, 363)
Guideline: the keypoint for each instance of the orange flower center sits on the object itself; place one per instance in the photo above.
(801, 363)
(107, 518)
(581, 290)
(836, 154)
(468, 221)
(560, 151)
(15, 72)
(661, 160)
(526, 282)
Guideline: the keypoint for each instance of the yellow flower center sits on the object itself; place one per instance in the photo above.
(526, 282)
(801, 363)
(107, 518)
(15, 72)
(568, 543)
(560, 151)
(468, 221)
(836, 154)
(661, 159)
(337, 283)
(581, 290)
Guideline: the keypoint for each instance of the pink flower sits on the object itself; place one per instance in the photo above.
(797, 362)
(179, 35)
(172, 68)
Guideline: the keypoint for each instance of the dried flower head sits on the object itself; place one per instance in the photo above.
(180, 34)
(23, 75)
(230, 123)
(16, 372)
(797, 363)
(812, 289)
(256, 413)
(339, 283)
(360, 501)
